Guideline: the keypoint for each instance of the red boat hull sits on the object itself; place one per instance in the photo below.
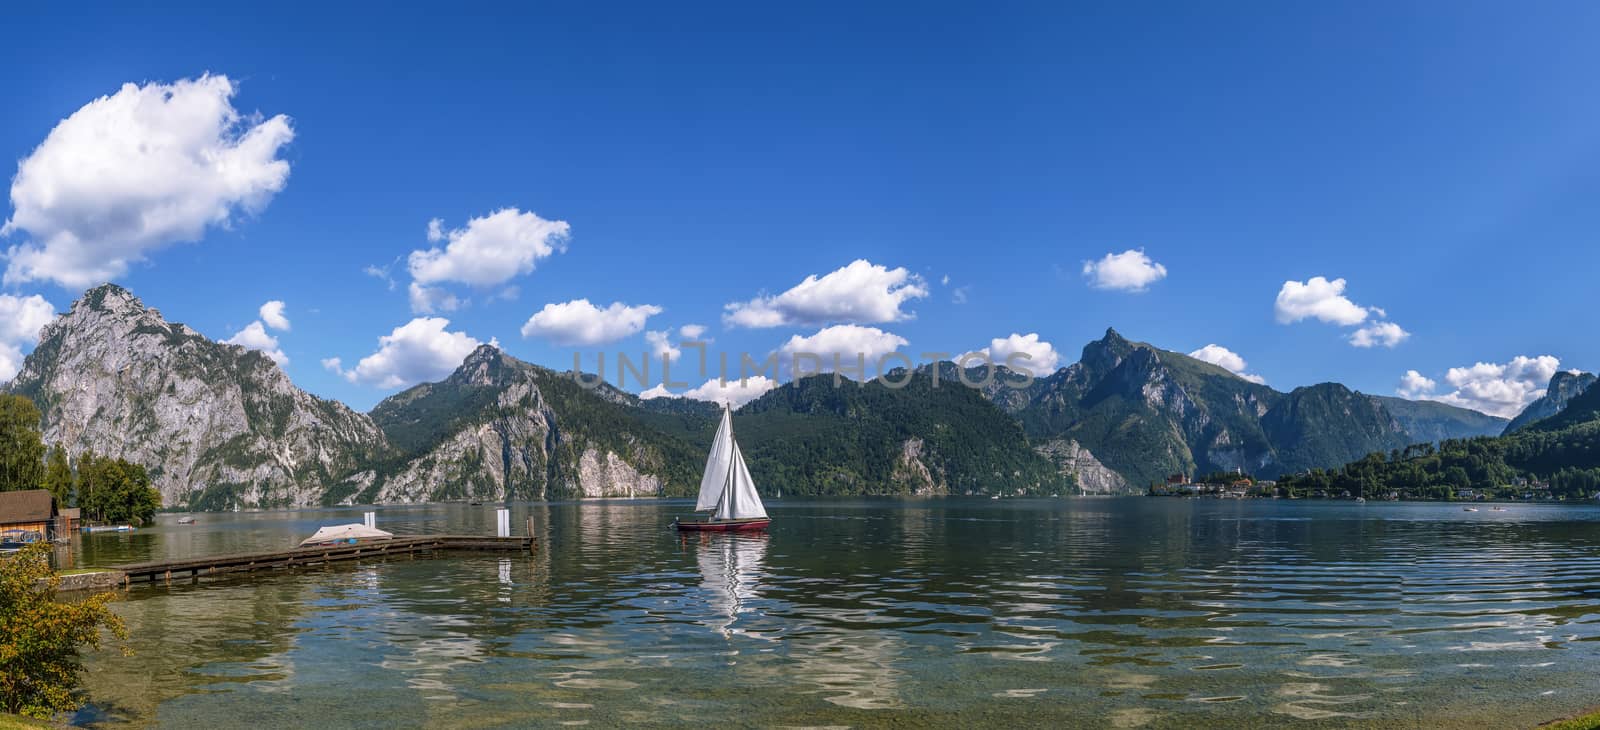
(722, 525)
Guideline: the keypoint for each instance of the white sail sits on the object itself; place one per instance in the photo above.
(718, 463)
(740, 502)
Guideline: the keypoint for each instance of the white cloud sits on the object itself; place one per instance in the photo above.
(381, 273)
(1130, 271)
(333, 365)
(1318, 298)
(660, 342)
(431, 299)
(487, 252)
(859, 293)
(1044, 358)
(1498, 389)
(419, 350)
(1415, 385)
(659, 390)
(21, 318)
(850, 344)
(580, 323)
(1323, 300)
(272, 315)
(131, 173)
(1228, 360)
(734, 392)
(1386, 334)
(10, 362)
(254, 337)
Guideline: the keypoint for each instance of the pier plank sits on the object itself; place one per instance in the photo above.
(321, 555)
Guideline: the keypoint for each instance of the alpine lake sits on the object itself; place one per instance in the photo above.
(1085, 612)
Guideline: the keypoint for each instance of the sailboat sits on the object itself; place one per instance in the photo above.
(726, 489)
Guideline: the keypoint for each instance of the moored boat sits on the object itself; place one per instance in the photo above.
(13, 540)
(726, 489)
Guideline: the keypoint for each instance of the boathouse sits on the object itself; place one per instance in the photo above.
(31, 510)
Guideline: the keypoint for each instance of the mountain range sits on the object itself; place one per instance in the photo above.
(1551, 451)
(1146, 413)
(220, 426)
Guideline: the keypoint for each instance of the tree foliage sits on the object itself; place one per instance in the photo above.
(40, 636)
(114, 490)
(58, 476)
(21, 448)
(1566, 459)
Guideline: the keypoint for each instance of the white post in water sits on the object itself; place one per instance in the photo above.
(370, 519)
(502, 523)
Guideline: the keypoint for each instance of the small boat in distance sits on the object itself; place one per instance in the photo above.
(726, 489)
(1469, 509)
(185, 520)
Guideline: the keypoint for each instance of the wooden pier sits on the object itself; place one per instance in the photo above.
(320, 555)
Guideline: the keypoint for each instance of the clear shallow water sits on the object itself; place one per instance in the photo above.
(1084, 612)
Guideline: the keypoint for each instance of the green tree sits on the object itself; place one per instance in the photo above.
(114, 490)
(21, 448)
(58, 476)
(84, 465)
(40, 636)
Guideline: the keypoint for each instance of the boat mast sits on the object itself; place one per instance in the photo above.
(733, 446)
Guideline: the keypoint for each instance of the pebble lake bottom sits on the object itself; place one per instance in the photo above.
(1123, 612)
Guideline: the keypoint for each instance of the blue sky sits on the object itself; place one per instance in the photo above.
(1440, 159)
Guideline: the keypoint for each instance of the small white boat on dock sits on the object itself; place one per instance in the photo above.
(350, 534)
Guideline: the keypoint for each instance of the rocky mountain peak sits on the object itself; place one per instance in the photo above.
(1567, 383)
(217, 425)
(110, 298)
(483, 366)
(1564, 387)
(1105, 354)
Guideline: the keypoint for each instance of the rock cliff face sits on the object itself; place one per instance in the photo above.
(499, 428)
(1564, 386)
(217, 425)
(911, 475)
(1092, 476)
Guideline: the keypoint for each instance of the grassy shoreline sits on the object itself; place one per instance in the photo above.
(1588, 720)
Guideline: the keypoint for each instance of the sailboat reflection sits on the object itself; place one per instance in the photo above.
(731, 566)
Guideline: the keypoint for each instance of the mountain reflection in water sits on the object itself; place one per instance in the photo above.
(1098, 612)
